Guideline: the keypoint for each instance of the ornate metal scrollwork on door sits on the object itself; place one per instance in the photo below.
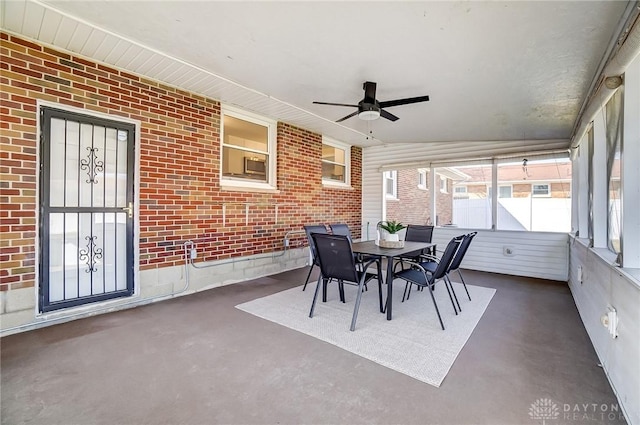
(91, 254)
(92, 165)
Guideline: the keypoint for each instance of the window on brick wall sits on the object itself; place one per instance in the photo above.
(422, 179)
(541, 189)
(336, 163)
(460, 192)
(248, 157)
(505, 191)
(443, 184)
(391, 184)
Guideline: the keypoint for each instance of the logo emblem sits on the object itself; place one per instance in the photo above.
(544, 408)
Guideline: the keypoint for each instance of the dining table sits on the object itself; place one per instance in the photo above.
(370, 248)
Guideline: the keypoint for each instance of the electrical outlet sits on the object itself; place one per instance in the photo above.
(508, 251)
(286, 242)
(193, 253)
(579, 273)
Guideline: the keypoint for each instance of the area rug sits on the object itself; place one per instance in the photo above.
(412, 343)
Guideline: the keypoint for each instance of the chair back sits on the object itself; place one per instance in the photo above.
(335, 257)
(418, 233)
(340, 229)
(309, 230)
(445, 260)
(464, 245)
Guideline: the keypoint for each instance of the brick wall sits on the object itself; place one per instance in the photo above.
(180, 195)
(412, 205)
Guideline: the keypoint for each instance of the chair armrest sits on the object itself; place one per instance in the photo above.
(430, 257)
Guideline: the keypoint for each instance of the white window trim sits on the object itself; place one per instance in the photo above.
(393, 175)
(547, 195)
(422, 174)
(511, 187)
(446, 184)
(347, 165)
(271, 183)
(463, 192)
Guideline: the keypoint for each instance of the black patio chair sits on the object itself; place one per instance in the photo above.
(430, 265)
(455, 264)
(343, 229)
(309, 229)
(419, 276)
(418, 233)
(337, 262)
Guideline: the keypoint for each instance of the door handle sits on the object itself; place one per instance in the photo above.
(129, 210)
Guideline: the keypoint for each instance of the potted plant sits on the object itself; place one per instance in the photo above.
(392, 227)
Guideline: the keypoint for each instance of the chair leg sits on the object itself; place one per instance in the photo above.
(464, 284)
(341, 290)
(308, 276)
(380, 286)
(315, 297)
(409, 293)
(450, 297)
(437, 310)
(404, 294)
(357, 306)
(453, 292)
(324, 290)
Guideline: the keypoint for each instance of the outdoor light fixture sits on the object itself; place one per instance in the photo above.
(369, 115)
(368, 111)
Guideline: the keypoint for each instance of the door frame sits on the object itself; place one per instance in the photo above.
(40, 104)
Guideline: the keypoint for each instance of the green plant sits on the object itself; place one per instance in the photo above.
(392, 226)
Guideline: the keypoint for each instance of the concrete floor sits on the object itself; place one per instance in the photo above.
(198, 360)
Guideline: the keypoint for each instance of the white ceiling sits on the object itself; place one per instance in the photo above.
(495, 71)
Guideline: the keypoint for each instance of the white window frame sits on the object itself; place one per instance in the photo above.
(271, 183)
(347, 165)
(443, 185)
(460, 192)
(510, 191)
(547, 195)
(391, 175)
(422, 179)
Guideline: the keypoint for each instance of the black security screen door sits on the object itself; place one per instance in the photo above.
(86, 209)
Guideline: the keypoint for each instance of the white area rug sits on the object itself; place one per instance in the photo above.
(412, 343)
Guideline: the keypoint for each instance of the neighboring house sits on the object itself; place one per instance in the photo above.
(531, 196)
(408, 195)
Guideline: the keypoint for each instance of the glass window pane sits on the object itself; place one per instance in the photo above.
(245, 134)
(504, 191)
(615, 207)
(240, 164)
(333, 172)
(333, 154)
(535, 206)
(471, 208)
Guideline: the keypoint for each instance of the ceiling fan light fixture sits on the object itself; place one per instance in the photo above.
(369, 115)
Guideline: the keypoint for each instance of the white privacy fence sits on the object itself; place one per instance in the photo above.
(529, 214)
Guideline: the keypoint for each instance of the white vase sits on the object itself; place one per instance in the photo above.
(393, 237)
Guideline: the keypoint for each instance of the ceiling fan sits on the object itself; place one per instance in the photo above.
(370, 109)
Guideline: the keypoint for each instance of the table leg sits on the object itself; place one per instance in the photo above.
(389, 286)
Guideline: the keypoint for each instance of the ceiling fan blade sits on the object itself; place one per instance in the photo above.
(388, 115)
(369, 92)
(348, 116)
(406, 101)
(335, 104)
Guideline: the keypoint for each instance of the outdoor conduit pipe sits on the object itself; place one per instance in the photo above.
(190, 245)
